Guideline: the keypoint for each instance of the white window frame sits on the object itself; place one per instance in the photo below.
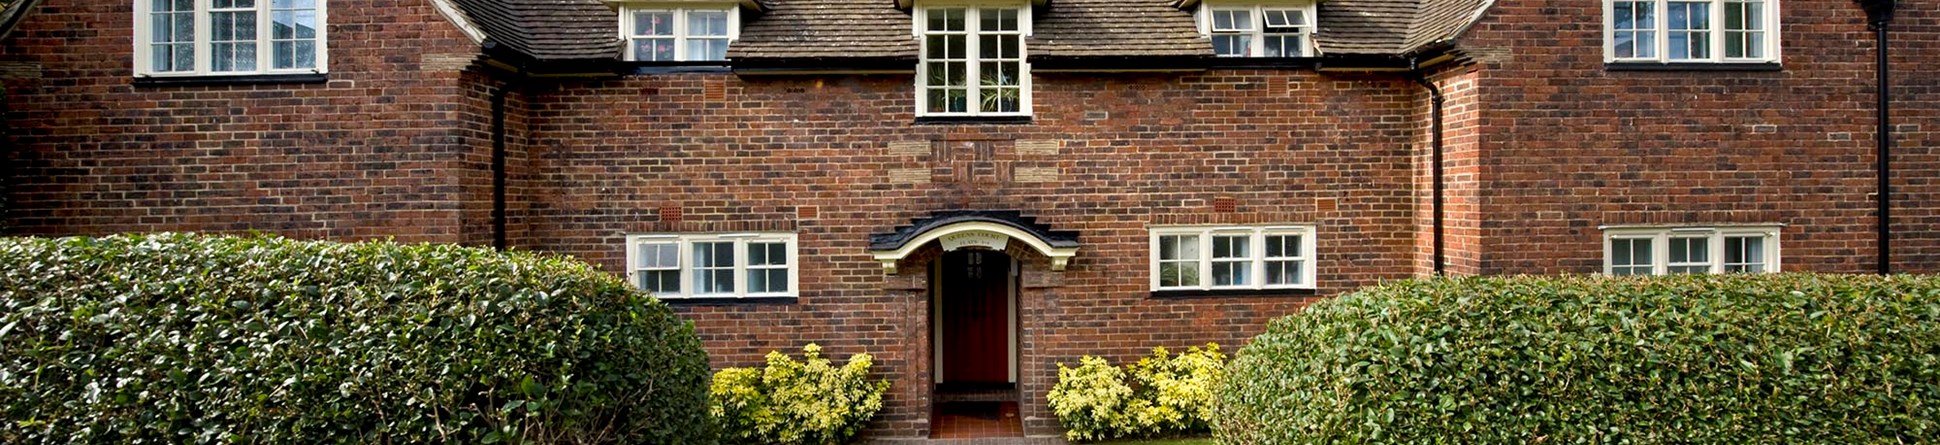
(1661, 29)
(205, 36)
(1256, 249)
(1660, 237)
(681, 35)
(973, 55)
(1257, 11)
(741, 241)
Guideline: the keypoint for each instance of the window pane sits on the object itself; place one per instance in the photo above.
(997, 20)
(945, 19)
(1179, 247)
(1175, 274)
(714, 254)
(938, 46)
(707, 23)
(1284, 46)
(768, 281)
(653, 23)
(1231, 246)
(1630, 255)
(660, 282)
(1233, 20)
(1232, 45)
(654, 256)
(654, 50)
(1283, 272)
(1744, 254)
(707, 49)
(1231, 273)
(767, 254)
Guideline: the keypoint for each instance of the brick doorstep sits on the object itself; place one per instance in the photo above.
(1039, 440)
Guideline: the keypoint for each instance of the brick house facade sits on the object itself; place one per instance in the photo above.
(1136, 190)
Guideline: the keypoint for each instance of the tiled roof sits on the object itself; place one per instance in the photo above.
(801, 29)
(826, 28)
(548, 29)
(1116, 28)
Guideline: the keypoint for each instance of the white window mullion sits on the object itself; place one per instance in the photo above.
(680, 34)
(1205, 260)
(973, 74)
(686, 249)
(1718, 31)
(203, 37)
(1661, 19)
(1258, 251)
(741, 259)
(265, 32)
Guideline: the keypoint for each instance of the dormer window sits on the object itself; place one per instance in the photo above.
(685, 32)
(973, 60)
(1258, 30)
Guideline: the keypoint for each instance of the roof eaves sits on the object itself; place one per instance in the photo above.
(458, 18)
(11, 16)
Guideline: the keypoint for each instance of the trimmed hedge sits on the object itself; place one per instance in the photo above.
(175, 338)
(1724, 359)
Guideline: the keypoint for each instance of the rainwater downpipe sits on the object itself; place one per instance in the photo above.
(1435, 161)
(1879, 13)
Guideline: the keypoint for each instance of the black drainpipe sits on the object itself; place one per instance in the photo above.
(1435, 159)
(498, 166)
(1879, 13)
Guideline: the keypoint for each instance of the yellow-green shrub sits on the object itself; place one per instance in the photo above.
(811, 402)
(1162, 394)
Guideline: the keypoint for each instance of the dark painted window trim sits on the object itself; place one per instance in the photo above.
(1227, 293)
(1692, 66)
(252, 79)
(731, 301)
(1282, 63)
(970, 120)
(679, 67)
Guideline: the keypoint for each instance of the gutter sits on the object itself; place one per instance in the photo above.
(1879, 14)
(1435, 159)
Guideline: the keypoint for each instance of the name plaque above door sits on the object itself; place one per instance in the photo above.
(975, 240)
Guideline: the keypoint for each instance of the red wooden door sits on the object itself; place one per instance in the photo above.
(976, 317)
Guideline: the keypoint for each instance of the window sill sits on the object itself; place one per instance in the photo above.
(961, 120)
(246, 79)
(729, 301)
(1693, 66)
(1226, 293)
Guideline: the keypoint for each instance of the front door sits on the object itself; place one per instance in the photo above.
(974, 317)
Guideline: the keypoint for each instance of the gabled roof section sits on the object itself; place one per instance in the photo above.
(548, 30)
(1116, 28)
(1393, 27)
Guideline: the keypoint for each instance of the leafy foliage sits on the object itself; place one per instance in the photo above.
(176, 338)
(1690, 359)
(1162, 394)
(810, 402)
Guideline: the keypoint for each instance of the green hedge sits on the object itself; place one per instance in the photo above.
(1724, 359)
(202, 339)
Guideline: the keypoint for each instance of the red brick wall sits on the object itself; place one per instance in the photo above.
(369, 154)
(1461, 113)
(813, 155)
(1568, 145)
